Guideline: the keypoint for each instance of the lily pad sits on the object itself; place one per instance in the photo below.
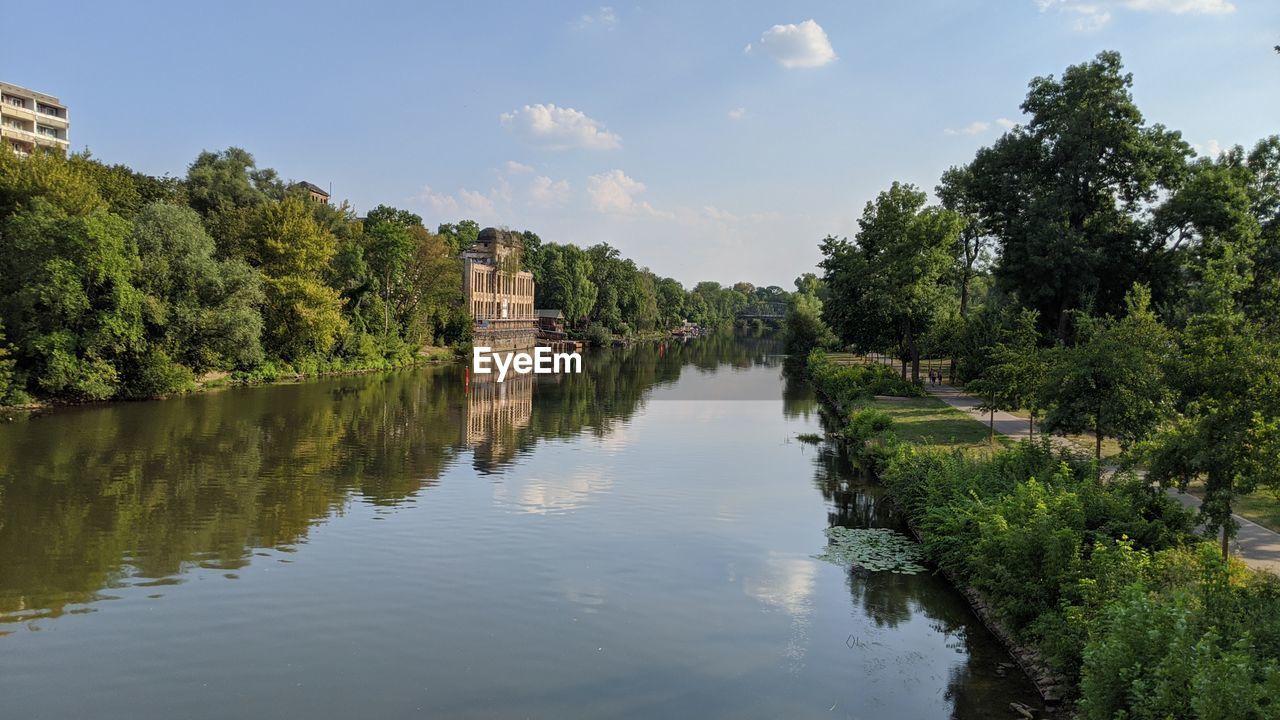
(872, 549)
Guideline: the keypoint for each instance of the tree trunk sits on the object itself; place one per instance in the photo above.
(1097, 444)
(1226, 541)
(913, 349)
(1031, 427)
(991, 425)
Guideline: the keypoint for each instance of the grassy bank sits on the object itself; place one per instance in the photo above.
(1126, 611)
(279, 373)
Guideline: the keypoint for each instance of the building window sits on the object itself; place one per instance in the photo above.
(15, 101)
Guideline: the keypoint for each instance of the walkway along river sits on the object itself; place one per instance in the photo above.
(634, 542)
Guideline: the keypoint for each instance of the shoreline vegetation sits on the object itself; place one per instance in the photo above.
(1104, 593)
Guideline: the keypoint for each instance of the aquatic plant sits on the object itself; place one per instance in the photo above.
(872, 549)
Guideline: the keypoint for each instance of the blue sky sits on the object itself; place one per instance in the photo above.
(710, 140)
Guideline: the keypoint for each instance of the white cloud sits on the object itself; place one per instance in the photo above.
(1093, 15)
(1006, 123)
(973, 128)
(737, 113)
(515, 168)
(1210, 149)
(1178, 7)
(613, 192)
(605, 19)
(545, 192)
(476, 202)
(796, 46)
(559, 128)
(717, 214)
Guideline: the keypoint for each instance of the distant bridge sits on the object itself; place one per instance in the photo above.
(764, 311)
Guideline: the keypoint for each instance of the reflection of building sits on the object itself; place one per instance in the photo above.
(496, 412)
(29, 119)
(498, 293)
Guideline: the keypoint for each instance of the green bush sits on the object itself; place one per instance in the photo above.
(1050, 548)
(846, 385)
(154, 374)
(598, 335)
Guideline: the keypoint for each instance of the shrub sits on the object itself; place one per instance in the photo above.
(598, 335)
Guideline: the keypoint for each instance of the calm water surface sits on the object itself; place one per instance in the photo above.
(633, 542)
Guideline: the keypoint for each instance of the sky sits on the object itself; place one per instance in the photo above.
(705, 140)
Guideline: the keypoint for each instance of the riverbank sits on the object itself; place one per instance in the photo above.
(266, 374)
(1086, 581)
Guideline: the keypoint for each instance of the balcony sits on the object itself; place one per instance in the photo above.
(32, 137)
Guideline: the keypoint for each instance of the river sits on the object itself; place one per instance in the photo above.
(634, 542)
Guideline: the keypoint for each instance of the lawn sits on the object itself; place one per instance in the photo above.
(1261, 506)
(929, 422)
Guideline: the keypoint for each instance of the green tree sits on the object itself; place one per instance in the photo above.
(203, 312)
(460, 235)
(1228, 429)
(225, 188)
(566, 284)
(68, 301)
(1014, 376)
(887, 286)
(302, 315)
(389, 246)
(1112, 381)
(804, 326)
(1066, 193)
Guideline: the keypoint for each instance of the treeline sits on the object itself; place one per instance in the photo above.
(598, 288)
(1088, 268)
(114, 284)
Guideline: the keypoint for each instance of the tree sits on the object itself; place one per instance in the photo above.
(671, 298)
(805, 328)
(1014, 376)
(1111, 382)
(566, 284)
(68, 301)
(1065, 194)
(957, 195)
(225, 188)
(302, 314)
(886, 286)
(460, 235)
(201, 311)
(432, 304)
(1228, 429)
(389, 245)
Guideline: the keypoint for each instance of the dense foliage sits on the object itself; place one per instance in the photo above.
(1107, 580)
(118, 285)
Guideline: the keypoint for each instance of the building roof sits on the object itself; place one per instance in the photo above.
(549, 314)
(313, 188)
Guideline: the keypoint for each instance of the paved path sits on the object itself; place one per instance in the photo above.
(1256, 545)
